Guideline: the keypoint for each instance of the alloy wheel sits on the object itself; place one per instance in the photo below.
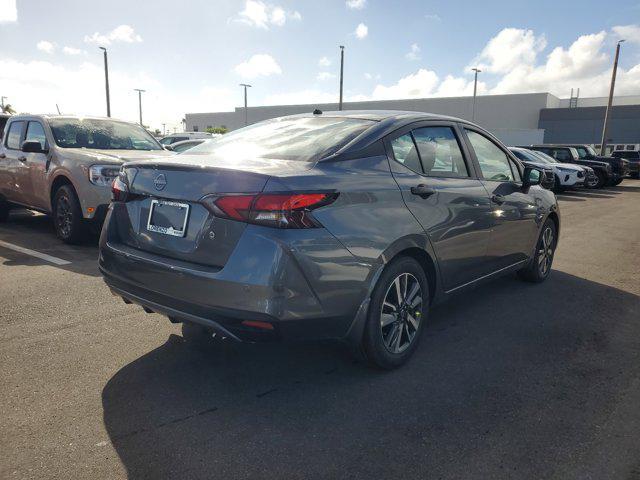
(545, 251)
(592, 181)
(401, 313)
(64, 216)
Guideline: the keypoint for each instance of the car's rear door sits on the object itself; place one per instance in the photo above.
(441, 189)
(34, 175)
(11, 163)
(514, 210)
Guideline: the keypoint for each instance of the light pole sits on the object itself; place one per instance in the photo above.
(475, 91)
(341, 74)
(163, 129)
(139, 90)
(605, 127)
(106, 79)
(246, 119)
(2, 102)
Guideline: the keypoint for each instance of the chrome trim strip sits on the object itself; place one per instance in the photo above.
(485, 276)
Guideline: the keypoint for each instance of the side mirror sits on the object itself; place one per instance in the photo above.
(33, 147)
(531, 176)
(168, 147)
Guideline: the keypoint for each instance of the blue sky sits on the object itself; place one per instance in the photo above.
(190, 56)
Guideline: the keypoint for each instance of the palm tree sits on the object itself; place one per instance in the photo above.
(8, 109)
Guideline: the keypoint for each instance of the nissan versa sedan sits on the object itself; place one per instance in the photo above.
(337, 225)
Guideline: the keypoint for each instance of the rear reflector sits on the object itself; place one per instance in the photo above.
(280, 210)
(257, 324)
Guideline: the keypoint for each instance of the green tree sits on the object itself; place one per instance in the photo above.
(221, 129)
(8, 109)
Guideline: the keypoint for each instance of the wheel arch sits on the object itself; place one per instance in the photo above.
(58, 182)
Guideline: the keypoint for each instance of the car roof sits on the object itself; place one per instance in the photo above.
(378, 115)
(48, 116)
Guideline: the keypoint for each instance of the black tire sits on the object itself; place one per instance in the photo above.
(635, 176)
(197, 335)
(381, 348)
(540, 266)
(557, 186)
(4, 210)
(602, 180)
(613, 183)
(67, 216)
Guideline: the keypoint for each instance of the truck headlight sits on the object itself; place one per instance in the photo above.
(103, 175)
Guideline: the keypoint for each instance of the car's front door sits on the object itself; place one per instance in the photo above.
(515, 211)
(11, 163)
(441, 189)
(34, 175)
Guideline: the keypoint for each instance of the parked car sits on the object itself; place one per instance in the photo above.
(64, 166)
(619, 166)
(603, 170)
(562, 175)
(185, 145)
(3, 121)
(182, 136)
(631, 156)
(338, 225)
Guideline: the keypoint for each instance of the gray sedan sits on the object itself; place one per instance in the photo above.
(337, 225)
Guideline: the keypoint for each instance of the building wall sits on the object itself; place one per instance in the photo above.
(601, 101)
(518, 111)
(584, 124)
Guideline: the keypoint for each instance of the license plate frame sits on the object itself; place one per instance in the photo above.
(168, 230)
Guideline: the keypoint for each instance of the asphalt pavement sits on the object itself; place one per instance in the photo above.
(511, 380)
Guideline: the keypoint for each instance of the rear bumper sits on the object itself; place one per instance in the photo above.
(297, 289)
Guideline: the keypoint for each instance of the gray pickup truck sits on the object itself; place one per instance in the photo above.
(64, 166)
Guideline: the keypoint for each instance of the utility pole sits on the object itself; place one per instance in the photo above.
(106, 79)
(605, 127)
(139, 90)
(163, 129)
(2, 102)
(341, 74)
(246, 118)
(475, 91)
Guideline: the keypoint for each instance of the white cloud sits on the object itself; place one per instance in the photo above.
(262, 15)
(417, 85)
(324, 62)
(122, 33)
(414, 53)
(45, 46)
(301, 97)
(433, 16)
(361, 31)
(8, 11)
(325, 76)
(356, 4)
(371, 76)
(261, 65)
(510, 48)
(72, 51)
(629, 33)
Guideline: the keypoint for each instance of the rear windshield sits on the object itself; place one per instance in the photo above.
(304, 139)
(101, 134)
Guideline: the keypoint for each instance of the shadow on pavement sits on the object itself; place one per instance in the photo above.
(35, 231)
(511, 379)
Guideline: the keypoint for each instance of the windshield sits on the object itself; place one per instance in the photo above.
(584, 152)
(101, 134)
(303, 139)
(544, 157)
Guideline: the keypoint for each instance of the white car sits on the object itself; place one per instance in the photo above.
(566, 174)
(182, 136)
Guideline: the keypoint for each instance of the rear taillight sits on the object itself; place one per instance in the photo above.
(280, 210)
(119, 190)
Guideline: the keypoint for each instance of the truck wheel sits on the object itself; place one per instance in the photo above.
(613, 183)
(397, 312)
(67, 216)
(602, 180)
(557, 186)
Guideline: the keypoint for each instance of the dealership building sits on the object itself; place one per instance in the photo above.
(516, 119)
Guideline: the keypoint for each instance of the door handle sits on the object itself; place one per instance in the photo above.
(22, 158)
(499, 199)
(422, 191)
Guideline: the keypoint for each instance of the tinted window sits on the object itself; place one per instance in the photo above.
(14, 135)
(440, 152)
(35, 133)
(562, 155)
(582, 152)
(405, 152)
(177, 139)
(287, 138)
(185, 146)
(493, 162)
(101, 134)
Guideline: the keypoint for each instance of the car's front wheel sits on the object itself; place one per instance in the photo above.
(616, 182)
(602, 180)
(67, 216)
(538, 269)
(397, 312)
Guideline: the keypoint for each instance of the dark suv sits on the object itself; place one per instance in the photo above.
(568, 154)
(619, 166)
(633, 157)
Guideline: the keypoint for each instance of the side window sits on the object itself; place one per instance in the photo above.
(35, 133)
(406, 153)
(493, 162)
(14, 135)
(562, 155)
(440, 152)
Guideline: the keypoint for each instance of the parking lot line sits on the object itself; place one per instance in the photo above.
(33, 253)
